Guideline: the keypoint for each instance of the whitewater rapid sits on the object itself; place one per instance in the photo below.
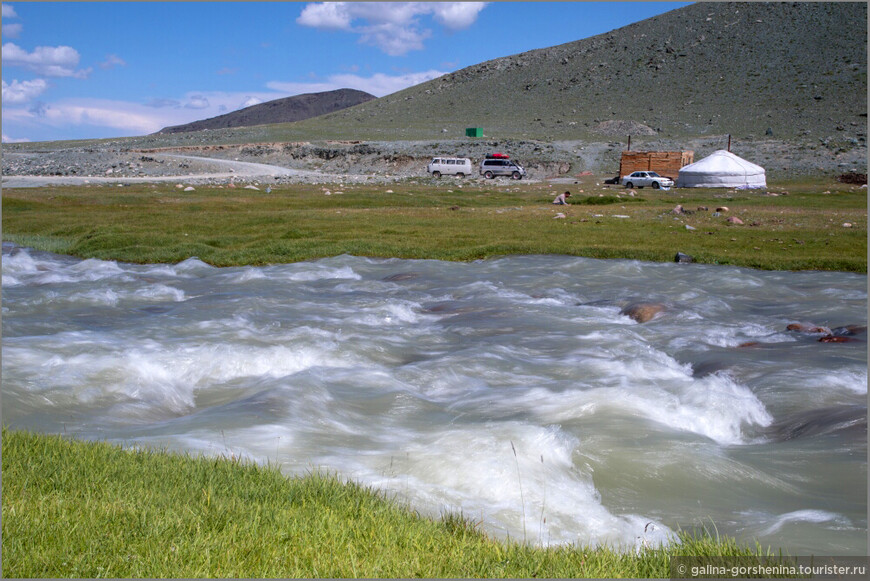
(512, 389)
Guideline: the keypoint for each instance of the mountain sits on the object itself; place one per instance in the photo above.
(284, 110)
(758, 70)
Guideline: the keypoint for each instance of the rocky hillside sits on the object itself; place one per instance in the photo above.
(285, 110)
(752, 69)
(787, 80)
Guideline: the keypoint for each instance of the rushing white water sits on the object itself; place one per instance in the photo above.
(513, 389)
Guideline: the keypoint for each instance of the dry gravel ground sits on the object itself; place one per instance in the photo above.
(137, 160)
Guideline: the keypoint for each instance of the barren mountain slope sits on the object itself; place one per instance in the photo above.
(787, 80)
(789, 70)
(284, 110)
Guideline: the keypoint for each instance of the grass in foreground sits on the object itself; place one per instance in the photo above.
(76, 509)
(800, 228)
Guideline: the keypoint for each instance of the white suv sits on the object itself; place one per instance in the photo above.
(640, 179)
(489, 168)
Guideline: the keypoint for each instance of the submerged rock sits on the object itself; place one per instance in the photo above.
(452, 308)
(809, 329)
(401, 276)
(706, 368)
(642, 312)
(850, 420)
(836, 339)
(849, 330)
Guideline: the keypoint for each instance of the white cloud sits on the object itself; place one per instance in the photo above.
(377, 85)
(117, 116)
(51, 61)
(112, 61)
(38, 109)
(12, 30)
(23, 91)
(213, 102)
(326, 15)
(197, 102)
(393, 27)
(98, 114)
(96, 118)
(159, 103)
(7, 139)
(250, 102)
(394, 40)
(457, 15)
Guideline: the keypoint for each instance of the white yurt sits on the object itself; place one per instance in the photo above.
(721, 169)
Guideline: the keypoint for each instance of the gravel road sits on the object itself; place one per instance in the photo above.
(207, 170)
(32, 165)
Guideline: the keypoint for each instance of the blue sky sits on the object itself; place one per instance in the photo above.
(81, 70)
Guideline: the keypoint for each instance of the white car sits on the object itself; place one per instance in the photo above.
(640, 179)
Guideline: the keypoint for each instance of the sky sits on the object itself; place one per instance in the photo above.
(88, 70)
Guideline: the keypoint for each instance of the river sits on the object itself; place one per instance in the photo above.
(512, 389)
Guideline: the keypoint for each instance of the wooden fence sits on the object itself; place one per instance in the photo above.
(666, 163)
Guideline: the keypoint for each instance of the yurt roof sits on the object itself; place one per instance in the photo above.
(722, 162)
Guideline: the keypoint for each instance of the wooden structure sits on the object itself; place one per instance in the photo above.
(665, 163)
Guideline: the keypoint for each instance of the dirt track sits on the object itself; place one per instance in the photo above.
(207, 170)
(137, 161)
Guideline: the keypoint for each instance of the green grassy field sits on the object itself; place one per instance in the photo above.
(87, 510)
(799, 228)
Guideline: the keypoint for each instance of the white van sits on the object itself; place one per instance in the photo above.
(459, 166)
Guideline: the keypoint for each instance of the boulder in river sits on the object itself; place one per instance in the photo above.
(850, 420)
(642, 312)
(836, 339)
(810, 329)
(849, 330)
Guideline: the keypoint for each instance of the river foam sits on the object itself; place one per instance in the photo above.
(514, 390)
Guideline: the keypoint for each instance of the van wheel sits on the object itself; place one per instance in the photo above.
(436, 174)
(629, 185)
(488, 175)
(656, 185)
(460, 174)
(516, 175)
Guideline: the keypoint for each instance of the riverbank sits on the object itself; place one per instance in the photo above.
(797, 225)
(76, 509)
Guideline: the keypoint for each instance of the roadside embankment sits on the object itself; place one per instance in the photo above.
(334, 161)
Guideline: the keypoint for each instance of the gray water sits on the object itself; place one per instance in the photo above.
(511, 389)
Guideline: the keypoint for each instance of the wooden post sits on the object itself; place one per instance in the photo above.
(629, 143)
